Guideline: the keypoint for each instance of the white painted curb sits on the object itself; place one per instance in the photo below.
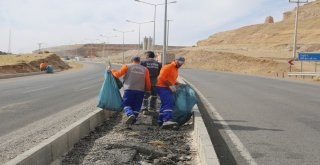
(53, 148)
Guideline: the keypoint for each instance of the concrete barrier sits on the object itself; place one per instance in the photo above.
(53, 148)
(205, 147)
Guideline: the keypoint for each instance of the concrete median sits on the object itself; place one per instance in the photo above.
(53, 148)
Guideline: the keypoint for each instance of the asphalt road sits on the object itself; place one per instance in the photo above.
(276, 121)
(24, 100)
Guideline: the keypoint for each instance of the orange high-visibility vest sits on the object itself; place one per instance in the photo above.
(42, 66)
(168, 73)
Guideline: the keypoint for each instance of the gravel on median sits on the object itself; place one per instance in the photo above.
(143, 144)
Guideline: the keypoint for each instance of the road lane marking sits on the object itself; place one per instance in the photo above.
(34, 90)
(234, 138)
(85, 88)
(8, 107)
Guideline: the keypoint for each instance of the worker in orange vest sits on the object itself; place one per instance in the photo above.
(42, 66)
(166, 86)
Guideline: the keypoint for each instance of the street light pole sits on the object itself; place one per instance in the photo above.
(39, 47)
(168, 34)
(139, 23)
(154, 27)
(123, 32)
(295, 38)
(154, 15)
(165, 35)
(9, 47)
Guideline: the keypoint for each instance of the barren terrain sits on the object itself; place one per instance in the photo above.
(11, 64)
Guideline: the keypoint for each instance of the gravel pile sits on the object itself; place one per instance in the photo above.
(143, 144)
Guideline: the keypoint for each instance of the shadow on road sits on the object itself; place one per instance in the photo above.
(243, 128)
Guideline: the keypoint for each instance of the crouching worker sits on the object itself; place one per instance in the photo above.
(136, 82)
(42, 66)
(166, 85)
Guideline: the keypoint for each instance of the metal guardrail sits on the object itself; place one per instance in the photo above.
(304, 74)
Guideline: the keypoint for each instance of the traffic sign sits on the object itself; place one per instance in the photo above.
(309, 56)
(291, 62)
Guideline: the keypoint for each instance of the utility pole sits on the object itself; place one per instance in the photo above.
(39, 47)
(295, 35)
(168, 33)
(123, 32)
(164, 54)
(9, 47)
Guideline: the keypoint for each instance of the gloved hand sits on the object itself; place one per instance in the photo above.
(173, 88)
(147, 94)
(109, 68)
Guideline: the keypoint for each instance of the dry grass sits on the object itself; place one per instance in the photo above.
(25, 58)
(158, 143)
(75, 65)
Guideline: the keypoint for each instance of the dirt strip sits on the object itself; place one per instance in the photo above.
(143, 144)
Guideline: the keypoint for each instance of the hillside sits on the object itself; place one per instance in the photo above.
(272, 39)
(261, 49)
(11, 64)
(96, 50)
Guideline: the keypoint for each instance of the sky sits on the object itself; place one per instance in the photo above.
(63, 22)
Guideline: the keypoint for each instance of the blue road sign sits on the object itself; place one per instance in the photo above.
(309, 56)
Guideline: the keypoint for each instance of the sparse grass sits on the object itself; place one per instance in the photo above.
(75, 65)
(23, 58)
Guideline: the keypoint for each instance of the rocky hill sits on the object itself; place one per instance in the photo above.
(261, 49)
(272, 39)
(96, 50)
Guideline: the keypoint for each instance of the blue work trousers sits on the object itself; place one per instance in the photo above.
(166, 107)
(132, 101)
(152, 100)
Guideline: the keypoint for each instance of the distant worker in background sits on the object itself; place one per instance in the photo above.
(42, 66)
(166, 86)
(136, 82)
(154, 67)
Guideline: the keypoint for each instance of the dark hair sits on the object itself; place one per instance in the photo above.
(150, 54)
(135, 58)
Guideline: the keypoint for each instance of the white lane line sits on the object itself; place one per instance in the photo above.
(86, 79)
(9, 107)
(34, 90)
(234, 138)
(85, 88)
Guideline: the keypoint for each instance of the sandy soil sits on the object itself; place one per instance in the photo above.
(11, 64)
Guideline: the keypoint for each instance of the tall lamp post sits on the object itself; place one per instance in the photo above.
(123, 32)
(154, 15)
(296, 26)
(139, 23)
(168, 33)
